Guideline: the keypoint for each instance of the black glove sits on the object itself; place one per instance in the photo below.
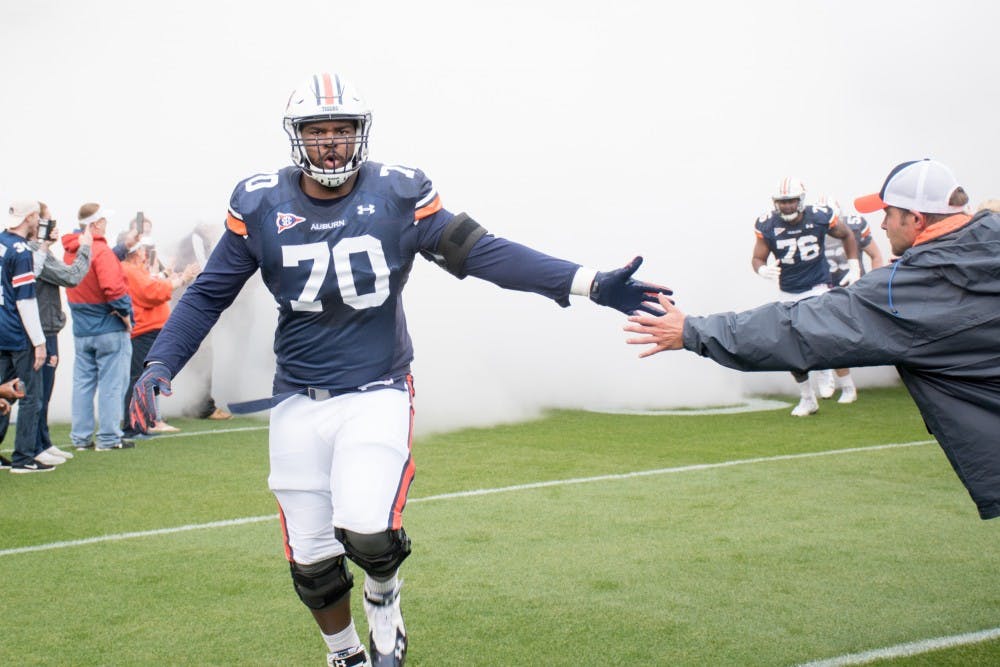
(142, 410)
(617, 290)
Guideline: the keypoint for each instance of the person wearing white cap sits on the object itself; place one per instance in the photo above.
(102, 320)
(935, 315)
(22, 340)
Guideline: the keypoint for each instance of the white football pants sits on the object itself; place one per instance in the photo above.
(344, 462)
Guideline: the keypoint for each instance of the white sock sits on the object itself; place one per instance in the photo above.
(845, 382)
(381, 586)
(806, 390)
(343, 640)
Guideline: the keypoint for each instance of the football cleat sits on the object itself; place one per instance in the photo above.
(848, 395)
(386, 634)
(806, 407)
(352, 657)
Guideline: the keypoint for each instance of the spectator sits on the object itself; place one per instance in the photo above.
(53, 273)
(9, 391)
(102, 319)
(151, 306)
(989, 205)
(22, 341)
(194, 249)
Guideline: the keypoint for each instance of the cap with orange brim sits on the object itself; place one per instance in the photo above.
(919, 185)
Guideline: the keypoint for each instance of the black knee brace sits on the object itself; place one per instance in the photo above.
(323, 584)
(378, 554)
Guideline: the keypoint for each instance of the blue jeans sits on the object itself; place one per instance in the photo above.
(20, 363)
(48, 383)
(101, 367)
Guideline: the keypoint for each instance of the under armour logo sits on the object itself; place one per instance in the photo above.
(366, 209)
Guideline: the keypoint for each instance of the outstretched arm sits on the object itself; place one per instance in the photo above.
(661, 333)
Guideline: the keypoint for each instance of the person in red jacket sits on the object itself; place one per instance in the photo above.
(102, 319)
(150, 296)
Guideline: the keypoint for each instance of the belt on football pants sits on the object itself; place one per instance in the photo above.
(314, 393)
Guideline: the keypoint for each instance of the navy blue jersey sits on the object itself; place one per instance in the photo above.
(835, 255)
(799, 247)
(18, 275)
(336, 269)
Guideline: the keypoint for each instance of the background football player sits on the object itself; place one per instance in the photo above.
(334, 237)
(796, 235)
(840, 267)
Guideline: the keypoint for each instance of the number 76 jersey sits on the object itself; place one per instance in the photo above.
(799, 247)
(336, 269)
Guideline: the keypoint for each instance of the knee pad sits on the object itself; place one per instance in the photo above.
(378, 554)
(323, 584)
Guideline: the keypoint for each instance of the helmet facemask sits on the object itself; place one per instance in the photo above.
(790, 217)
(789, 189)
(327, 97)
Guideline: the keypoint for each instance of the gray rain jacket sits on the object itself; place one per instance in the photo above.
(53, 273)
(934, 314)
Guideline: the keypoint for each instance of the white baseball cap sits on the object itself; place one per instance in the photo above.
(924, 186)
(20, 210)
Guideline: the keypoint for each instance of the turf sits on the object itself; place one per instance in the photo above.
(717, 554)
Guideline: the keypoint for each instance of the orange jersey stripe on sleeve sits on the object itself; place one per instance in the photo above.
(429, 209)
(236, 225)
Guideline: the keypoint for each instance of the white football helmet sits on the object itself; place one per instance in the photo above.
(790, 188)
(326, 96)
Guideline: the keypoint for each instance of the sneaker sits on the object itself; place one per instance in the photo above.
(825, 384)
(352, 657)
(848, 395)
(386, 634)
(49, 459)
(5, 463)
(83, 446)
(34, 466)
(807, 406)
(163, 427)
(55, 451)
(121, 444)
(219, 414)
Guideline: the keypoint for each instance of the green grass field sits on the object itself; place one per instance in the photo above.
(748, 539)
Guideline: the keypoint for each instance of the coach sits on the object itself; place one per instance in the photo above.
(934, 314)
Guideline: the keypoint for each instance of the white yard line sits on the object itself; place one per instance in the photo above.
(465, 494)
(904, 650)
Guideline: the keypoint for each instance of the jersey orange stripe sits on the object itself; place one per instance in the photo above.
(236, 226)
(284, 535)
(409, 470)
(428, 210)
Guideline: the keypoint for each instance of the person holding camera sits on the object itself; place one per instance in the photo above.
(52, 273)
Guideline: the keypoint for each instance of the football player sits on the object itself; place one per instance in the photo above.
(796, 235)
(334, 237)
(836, 256)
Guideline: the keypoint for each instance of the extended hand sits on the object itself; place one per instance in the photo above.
(142, 410)
(853, 273)
(12, 389)
(663, 332)
(616, 289)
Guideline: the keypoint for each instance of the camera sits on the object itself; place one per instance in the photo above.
(45, 229)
